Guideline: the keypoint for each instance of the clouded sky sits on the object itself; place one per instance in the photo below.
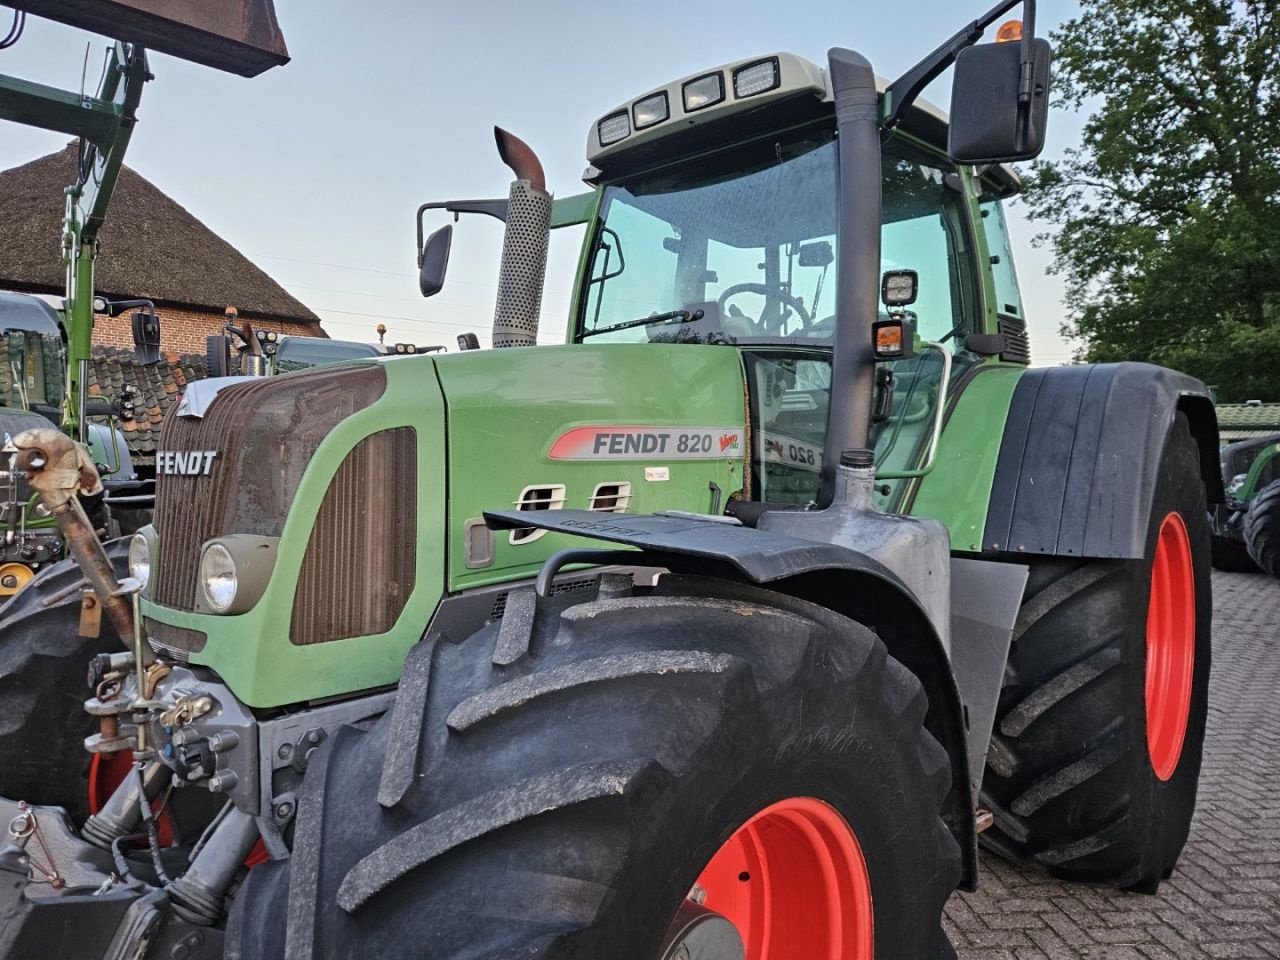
(314, 170)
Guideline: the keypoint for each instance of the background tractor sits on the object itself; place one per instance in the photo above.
(721, 631)
(1246, 528)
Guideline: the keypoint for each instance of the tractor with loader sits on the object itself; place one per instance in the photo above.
(724, 630)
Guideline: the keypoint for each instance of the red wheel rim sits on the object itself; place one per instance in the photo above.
(1171, 645)
(793, 882)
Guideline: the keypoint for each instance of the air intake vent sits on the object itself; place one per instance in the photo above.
(1017, 345)
(546, 497)
(611, 497)
(361, 558)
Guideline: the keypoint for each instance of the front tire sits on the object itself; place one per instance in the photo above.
(568, 803)
(1262, 528)
(43, 663)
(1094, 763)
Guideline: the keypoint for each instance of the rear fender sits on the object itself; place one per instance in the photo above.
(1081, 449)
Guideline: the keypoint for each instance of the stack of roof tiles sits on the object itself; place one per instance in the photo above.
(156, 388)
(1244, 421)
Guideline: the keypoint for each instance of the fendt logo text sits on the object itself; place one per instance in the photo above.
(185, 463)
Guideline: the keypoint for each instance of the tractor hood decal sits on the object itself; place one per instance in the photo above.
(631, 442)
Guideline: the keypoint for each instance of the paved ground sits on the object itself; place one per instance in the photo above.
(1224, 898)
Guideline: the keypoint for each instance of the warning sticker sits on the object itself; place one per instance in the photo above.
(792, 453)
(648, 443)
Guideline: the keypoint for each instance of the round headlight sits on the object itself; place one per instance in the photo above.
(218, 577)
(140, 559)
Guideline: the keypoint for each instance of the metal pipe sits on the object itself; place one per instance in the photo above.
(524, 246)
(197, 896)
(519, 156)
(58, 470)
(121, 814)
(853, 85)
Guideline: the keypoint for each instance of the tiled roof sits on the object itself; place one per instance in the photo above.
(158, 387)
(151, 246)
(1249, 416)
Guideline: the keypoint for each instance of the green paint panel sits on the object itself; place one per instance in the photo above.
(504, 410)
(252, 651)
(958, 489)
(507, 407)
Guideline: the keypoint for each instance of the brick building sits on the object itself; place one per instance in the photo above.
(150, 247)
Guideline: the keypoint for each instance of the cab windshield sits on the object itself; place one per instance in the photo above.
(32, 373)
(740, 247)
(302, 353)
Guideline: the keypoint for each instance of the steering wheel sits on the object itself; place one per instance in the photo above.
(767, 292)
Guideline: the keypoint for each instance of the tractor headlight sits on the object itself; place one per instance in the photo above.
(756, 78)
(218, 579)
(703, 92)
(613, 128)
(651, 110)
(234, 572)
(140, 558)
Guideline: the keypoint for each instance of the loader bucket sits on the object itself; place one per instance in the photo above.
(239, 36)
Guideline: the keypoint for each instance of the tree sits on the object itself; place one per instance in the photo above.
(1168, 213)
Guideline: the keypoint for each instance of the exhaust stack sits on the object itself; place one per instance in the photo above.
(524, 247)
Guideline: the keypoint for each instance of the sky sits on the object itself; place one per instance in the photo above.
(314, 170)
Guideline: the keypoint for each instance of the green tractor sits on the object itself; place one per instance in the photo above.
(1246, 527)
(724, 630)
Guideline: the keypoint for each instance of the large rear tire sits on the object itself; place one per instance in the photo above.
(43, 664)
(566, 804)
(1262, 528)
(1095, 759)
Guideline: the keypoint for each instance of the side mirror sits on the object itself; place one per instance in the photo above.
(217, 355)
(817, 254)
(146, 337)
(433, 261)
(990, 121)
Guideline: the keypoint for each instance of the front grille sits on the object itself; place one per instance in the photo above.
(360, 562)
(179, 641)
(265, 434)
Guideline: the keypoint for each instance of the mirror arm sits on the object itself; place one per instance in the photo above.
(490, 208)
(902, 93)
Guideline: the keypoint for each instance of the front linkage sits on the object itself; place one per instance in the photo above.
(180, 744)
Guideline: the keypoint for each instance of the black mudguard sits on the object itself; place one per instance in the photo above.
(832, 576)
(1078, 461)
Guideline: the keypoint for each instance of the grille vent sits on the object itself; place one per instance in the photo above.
(265, 433)
(360, 562)
(611, 497)
(545, 497)
(1017, 345)
(565, 586)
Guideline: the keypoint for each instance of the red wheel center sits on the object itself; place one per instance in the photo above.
(1171, 645)
(793, 882)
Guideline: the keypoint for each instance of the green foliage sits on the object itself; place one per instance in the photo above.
(1168, 214)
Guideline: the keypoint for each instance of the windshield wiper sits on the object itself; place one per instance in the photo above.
(677, 316)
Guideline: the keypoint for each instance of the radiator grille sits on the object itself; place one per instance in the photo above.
(265, 433)
(359, 567)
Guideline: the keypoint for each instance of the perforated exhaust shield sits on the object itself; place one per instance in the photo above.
(524, 266)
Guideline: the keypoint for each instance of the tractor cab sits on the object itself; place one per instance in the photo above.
(31, 369)
(740, 248)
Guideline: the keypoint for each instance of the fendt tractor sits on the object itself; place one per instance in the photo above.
(1246, 527)
(721, 631)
